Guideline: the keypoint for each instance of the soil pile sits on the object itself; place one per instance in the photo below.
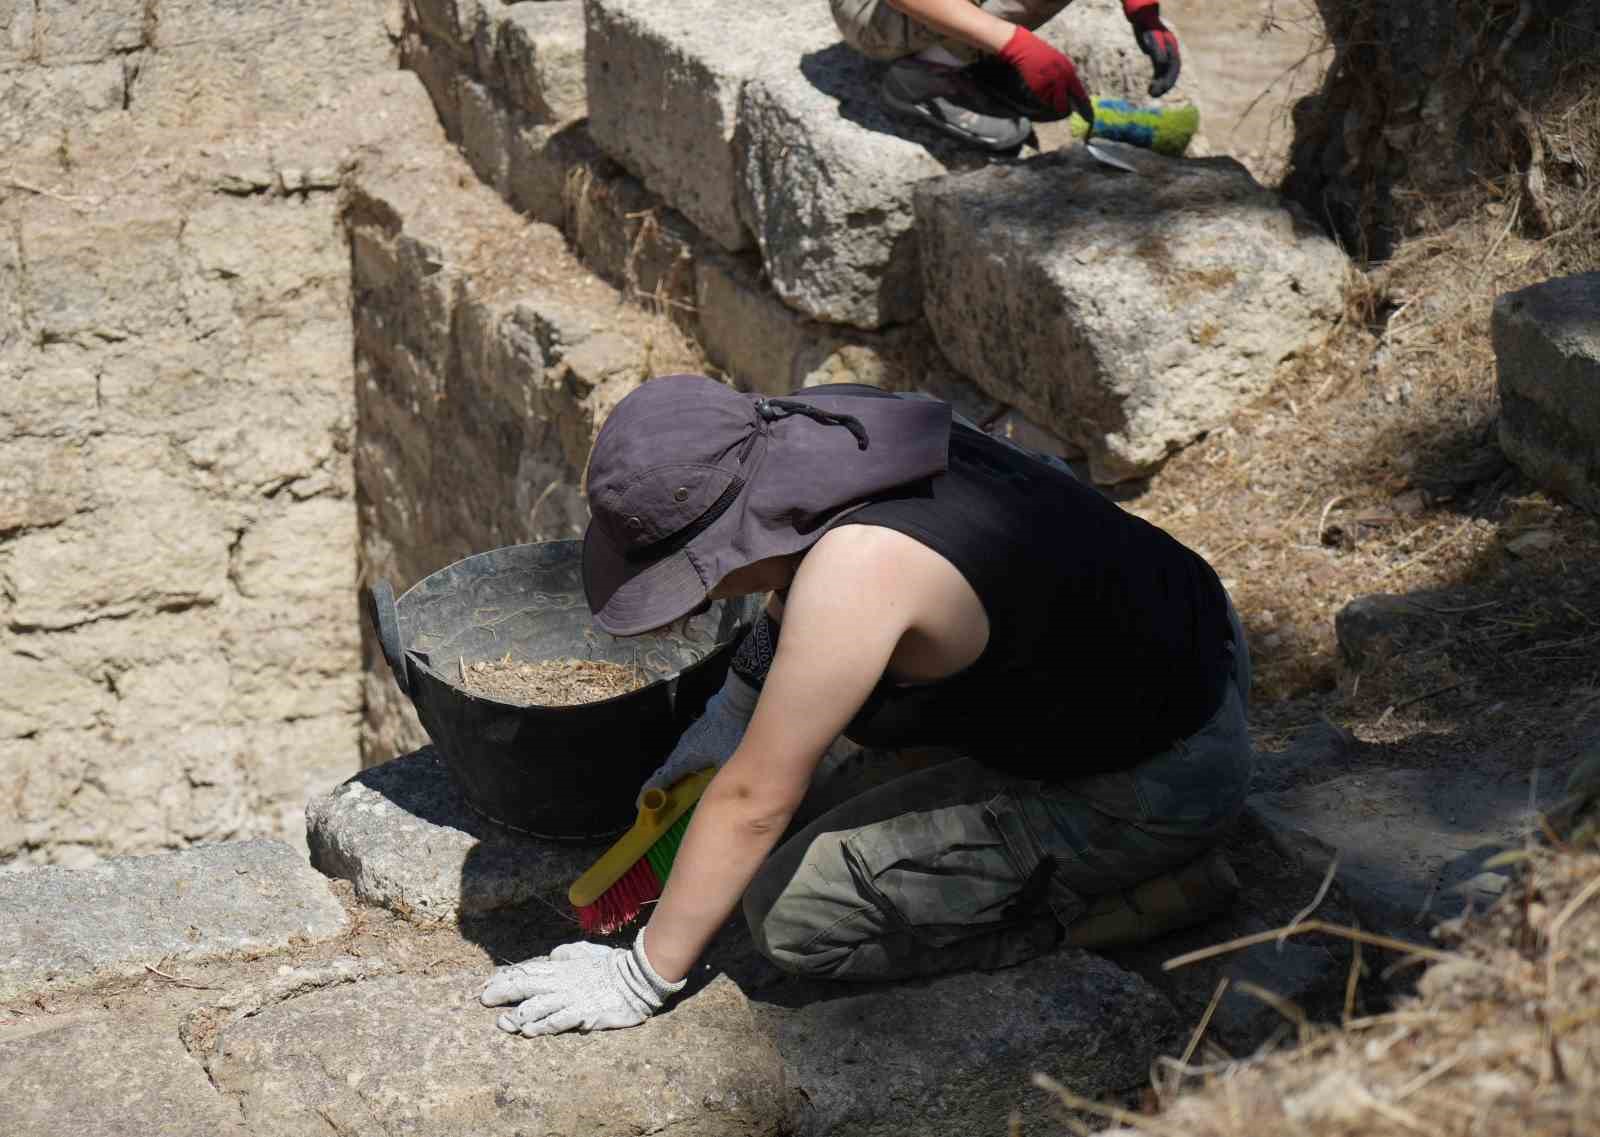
(552, 682)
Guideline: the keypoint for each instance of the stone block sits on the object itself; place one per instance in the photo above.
(542, 166)
(963, 1047)
(95, 1073)
(1547, 355)
(404, 835)
(630, 237)
(1370, 628)
(539, 59)
(49, 397)
(109, 275)
(664, 82)
(45, 694)
(1126, 323)
(39, 102)
(764, 345)
(419, 1055)
(825, 184)
(43, 483)
(1412, 843)
(163, 547)
(439, 70)
(486, 132)
(69, 927)
(87, 31)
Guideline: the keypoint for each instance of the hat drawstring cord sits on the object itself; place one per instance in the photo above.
(773, 409)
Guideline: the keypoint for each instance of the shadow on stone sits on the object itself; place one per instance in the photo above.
(852, 81)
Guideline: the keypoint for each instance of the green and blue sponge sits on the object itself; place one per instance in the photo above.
(1166, 130)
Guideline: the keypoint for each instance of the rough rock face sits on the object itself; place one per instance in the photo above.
(863, 1068)
(420, 1056)
(664, 87)
(486, 359)
(68, 927)
(177, 661)
(1126, 319)
(104, 1075)
(1547, 353)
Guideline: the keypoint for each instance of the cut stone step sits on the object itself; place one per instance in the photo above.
(63, 928)
(403, 834)
(1126, 313)
(664, 87)
(1547, 354)
(421, 1056)
(79, 1074)
(1411, 843)
(954, 1056)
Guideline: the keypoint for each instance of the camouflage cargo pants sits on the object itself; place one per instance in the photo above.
(880, 31)
(939, 870)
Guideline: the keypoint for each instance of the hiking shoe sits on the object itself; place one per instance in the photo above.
(1178, 899)
(947, 99)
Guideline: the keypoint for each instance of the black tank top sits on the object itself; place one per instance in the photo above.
(1107, 638)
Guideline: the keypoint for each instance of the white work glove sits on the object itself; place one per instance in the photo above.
(712, 738)
(581, 986)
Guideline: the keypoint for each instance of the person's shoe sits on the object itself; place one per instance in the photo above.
(947, 99)
(1183, 897)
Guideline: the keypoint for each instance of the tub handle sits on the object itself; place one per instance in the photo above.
(386, 622)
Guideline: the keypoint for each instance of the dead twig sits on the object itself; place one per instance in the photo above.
(178, 980)
(1356, 934)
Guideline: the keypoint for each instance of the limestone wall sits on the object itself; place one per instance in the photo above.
(178, 644)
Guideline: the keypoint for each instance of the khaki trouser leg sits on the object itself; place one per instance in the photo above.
(959, 866)
(880, 31)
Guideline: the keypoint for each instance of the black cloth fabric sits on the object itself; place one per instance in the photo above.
(1107, 639)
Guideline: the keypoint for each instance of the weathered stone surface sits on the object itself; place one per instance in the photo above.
(68, 927)
(664, 86)
(1310, 971)
(86, 31)
(1374, 627)
(99, 1074)
(539, 55)
(825, 181)
(486, 358)
(405, 837)
(176, 341)
(955, 1054)
(764, 345)
(1547, 354)
(1411, 843)
(1127, 323)
(420, 1056)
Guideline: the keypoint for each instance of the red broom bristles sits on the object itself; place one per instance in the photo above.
(619, 905)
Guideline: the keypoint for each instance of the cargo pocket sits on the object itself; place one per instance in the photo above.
(939, 875)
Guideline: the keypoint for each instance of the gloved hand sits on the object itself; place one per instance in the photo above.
(713, 737)
(1155, 40)
(581, 986)
(1050, 77)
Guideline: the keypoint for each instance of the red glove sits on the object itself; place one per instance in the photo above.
(1050, 77)
(1155, 40)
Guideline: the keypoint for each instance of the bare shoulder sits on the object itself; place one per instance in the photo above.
(871, 558)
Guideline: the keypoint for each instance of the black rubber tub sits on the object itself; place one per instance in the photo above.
(566, 773)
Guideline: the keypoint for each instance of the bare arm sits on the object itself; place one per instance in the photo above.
(842, 621)
(959, 19)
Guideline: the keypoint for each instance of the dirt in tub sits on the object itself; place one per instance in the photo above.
(551, 682)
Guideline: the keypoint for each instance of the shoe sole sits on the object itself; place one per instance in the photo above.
(921, 113)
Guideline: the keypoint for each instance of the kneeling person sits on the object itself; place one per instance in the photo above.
(931, 586)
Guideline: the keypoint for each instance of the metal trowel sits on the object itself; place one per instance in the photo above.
(1100, 154)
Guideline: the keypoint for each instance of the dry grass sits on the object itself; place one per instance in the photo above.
(1372, 467)
(1502, 1038)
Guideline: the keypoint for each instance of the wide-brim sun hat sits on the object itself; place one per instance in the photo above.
(690, 480)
